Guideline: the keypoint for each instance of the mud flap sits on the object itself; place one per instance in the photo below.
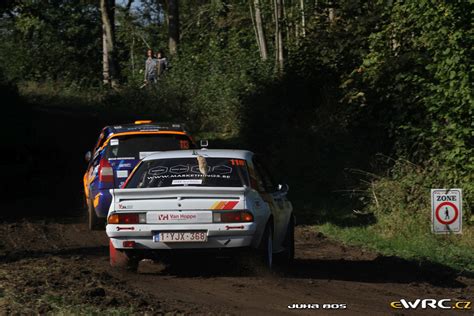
(119, 259)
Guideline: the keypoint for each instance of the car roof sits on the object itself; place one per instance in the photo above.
(210, 153)
(145, 127)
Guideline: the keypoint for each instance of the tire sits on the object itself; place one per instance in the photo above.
(121, 259)
(94, 222)
(265, 250)
(285, 259)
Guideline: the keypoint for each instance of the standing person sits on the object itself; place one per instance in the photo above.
(150, 67)
(162, 63)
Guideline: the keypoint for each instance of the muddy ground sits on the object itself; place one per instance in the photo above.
(61, 267)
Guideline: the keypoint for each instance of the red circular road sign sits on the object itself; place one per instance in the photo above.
(455, 217)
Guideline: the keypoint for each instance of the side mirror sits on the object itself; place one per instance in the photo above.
(203, 143)
(88, 156)
(283, 188)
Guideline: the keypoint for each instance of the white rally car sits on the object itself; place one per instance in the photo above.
(200, 199)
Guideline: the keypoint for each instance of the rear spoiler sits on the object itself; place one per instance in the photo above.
(175, 192)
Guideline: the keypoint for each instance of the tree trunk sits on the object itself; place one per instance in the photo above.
(105, 59)
(262, 43)
(303, 21)
(173, 26)
(279, 61)
(110, 65)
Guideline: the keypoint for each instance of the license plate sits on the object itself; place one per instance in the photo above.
(179, 236)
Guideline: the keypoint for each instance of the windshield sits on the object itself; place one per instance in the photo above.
(196, 171)
(140, 146)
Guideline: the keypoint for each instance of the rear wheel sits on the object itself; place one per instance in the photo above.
(266, 247)
(288, 255)
(121, 260)
(95, 223)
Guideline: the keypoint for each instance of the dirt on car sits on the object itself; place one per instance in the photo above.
(61, 267)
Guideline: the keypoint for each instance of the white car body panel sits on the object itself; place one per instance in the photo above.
(190, 208)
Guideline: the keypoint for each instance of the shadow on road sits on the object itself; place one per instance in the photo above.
(100, 251)
(380, 270)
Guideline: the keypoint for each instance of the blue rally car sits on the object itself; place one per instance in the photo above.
(117, 152)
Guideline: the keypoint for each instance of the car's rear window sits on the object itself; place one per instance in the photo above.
(140, 146)
(196, 171)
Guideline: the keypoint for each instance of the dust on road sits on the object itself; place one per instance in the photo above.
(60, 266)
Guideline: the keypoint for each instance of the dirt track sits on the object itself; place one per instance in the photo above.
(45, 265)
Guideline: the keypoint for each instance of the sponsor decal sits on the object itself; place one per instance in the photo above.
(163, 217)
(179, 217)
(172, 176)
(219, 171)
(431, 303)
(222, 169)
(224, 205)
(187, 181)
(121, 158)
(96, 200)
(174, 217)
(157, 170)
(122, 173)
(237, 162)
(179, 169)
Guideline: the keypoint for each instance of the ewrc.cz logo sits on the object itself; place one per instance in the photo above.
(431, 303)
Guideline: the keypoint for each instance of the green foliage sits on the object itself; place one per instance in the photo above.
(382, 76)
(416, 80)
(405, 193)
(59, 41)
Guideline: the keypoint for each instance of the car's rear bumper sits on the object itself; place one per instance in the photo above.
(219, 236)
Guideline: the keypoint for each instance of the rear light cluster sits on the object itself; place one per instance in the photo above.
(106, 173)
(127, 218)
(232, 217)
(128, 244)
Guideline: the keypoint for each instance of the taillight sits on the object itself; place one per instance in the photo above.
(127, 218)
(232, 217)
(106, 173)
(128, 244)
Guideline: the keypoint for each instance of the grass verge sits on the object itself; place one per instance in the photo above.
(398, 205)
(446, 250)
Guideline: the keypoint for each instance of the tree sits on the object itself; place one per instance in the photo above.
(261, 41)
(279, 59)
(109, 61)
(173, 26)
(303, 20)
(58, 42)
